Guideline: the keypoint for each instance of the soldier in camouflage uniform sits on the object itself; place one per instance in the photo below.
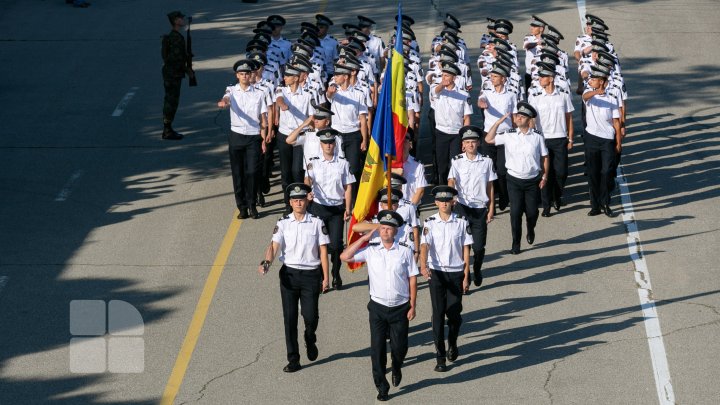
(175, 67)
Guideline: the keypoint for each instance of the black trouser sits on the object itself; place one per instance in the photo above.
(599, 156)
(613, 173)
(524, 198)
(332, 217)
(290, 164)
(433, 137)
(245, 152)
(557, 176)
(304, 286)
(447, 146)
(446, 293)
(478, 226)
(528, 81)
(351, 149)
(386, 321)
(172, 97)
(501, 184)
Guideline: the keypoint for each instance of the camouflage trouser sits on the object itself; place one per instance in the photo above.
(172, 98)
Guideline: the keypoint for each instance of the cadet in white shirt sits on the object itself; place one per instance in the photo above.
(445, 250)
(530, 44)
(527, 166)
(554, 121)
(472, 175)
(248, 129)
(350, 119)
(301, 239)
(330, 178)
(414, 172)
(603, 140)
(452, 112)
(392, 274)
(408, 234)
(277, 39)
(327, 42)
(497, 102)
(294, 107)
(307, 139)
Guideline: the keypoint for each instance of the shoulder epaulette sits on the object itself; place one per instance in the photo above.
(428, 219)
(404, 244)
(284, 217)
(513, 130)
(315, 157)
(374, 244)
(484, 155)
(341, 157)
(457, 156)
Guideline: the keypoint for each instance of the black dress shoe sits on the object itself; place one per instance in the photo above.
(172, 136)
(243, 214)
(608, 211)
(557, 204)
(383, 396)
(515, 250)
(502, 206)
(530, 237)
(312, 351)
(546, 213)
(292, 367)
(396, 378)
(452, 353)
(593, 212)
(261, 200)
(441, 367)
(337, 284)
(477, 279)
(254, 213)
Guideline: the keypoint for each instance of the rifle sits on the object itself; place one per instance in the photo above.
(193, 78)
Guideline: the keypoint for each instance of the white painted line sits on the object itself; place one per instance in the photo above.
(67, 188)
(3, 282)
(124, 102)
(658, 356)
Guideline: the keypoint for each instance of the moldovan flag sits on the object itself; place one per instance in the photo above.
(387, 137)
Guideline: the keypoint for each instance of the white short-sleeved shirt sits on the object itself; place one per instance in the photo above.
(551, 109)
(300, 241)
(329, 178)
(600, 110)
(532, 53)
(310, 143)
(347, 105)
(246, 107)
(499, 104)
(523, 152)
(299, 108)
(389, 272)
(471, 178)
(414, 173)
(446, 241)
(451, 107)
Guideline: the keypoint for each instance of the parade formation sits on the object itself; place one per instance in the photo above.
(317, 100)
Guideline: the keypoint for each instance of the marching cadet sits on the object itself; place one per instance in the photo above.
(306, 136)
(175, 67)
(487, 37)
(277, 40)
(392, 274)
(293, 106)
(554, 121)
(330, 178)
(301, 239)
(527, 167)
(414, 172)
(327, 42)
(248, 131)
(603, 140)
(350, 119)
(408, 235)
(445, 250)
(497, 102)
(375, 45)
(472, 175)
(453, 110)
(530, 44)
(266, 84)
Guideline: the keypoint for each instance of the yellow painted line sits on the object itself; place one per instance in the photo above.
(201, 310)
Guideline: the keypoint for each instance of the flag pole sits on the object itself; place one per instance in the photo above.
(388, 157)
